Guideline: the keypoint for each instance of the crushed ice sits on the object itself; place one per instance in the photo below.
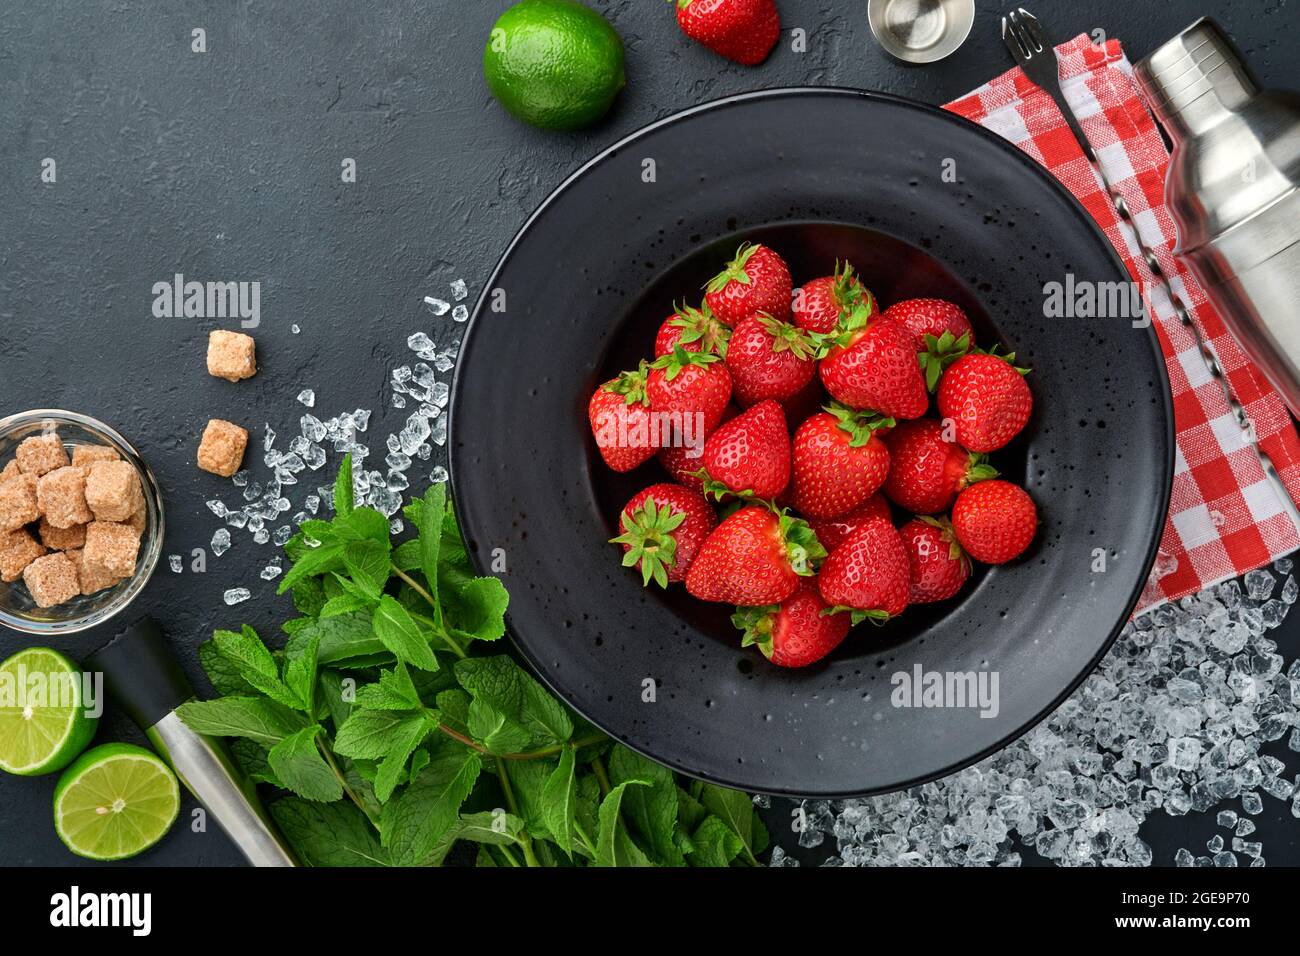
(1186, 713)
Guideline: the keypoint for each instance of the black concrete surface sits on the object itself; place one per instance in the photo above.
(225, 165)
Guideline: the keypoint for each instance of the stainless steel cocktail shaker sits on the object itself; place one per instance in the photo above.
(1233, 190)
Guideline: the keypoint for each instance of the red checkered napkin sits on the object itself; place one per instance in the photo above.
(1224, 516)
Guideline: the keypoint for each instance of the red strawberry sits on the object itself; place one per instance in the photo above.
(987, 399)
(831, 532)
(740, 30)
(757, 280)
(679, 462)
(619, 413)
(769, 359)
(839, 461)
(872, 364)
(693, 385)
(696, 329)
(868, 574)
(754, 557)
(794, 633)
(926, 471)
(663, 528)
(994, 521)
(939, 565)
(750, 455)
(924, 317)
(821, 303)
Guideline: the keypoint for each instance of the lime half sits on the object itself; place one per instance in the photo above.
(43, 721)
(117, 800)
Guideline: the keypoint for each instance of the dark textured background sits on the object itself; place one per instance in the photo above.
(225, 165)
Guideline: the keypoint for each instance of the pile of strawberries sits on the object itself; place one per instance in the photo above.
(807, 544)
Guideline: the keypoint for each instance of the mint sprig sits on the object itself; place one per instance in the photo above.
(390, 738)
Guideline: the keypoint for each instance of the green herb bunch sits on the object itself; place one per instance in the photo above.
(395, 739)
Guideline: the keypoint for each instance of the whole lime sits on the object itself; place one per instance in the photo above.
(554, 63)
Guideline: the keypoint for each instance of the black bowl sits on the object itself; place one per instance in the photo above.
(924, 204)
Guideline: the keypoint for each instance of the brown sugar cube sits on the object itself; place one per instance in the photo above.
(61, 496)
(138, 520)
(113, 490)
(41, 453)
(10, 470)
(18, 502)
(52, 579)
(62, 539)
(17, 550)
(231, 355)
(91, 579)
(85, 454)
(110, 548)
(222, 449)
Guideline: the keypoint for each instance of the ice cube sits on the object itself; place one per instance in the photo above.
(216, 507)
(295, 328)
(444, 362)
(438, 475)
(397, 401)
(312, 503)
(439, 431)
(237, 519)
(436, 306)
(398, 461)
(220, 541)
(307, 397)
(239, 478)
(282, 535)
(237, 595)
(271, 572)
(419, 343)
(1259, 584)
(460, 314)
(313, 429)
(440, 394)
(314, 457)
(459, 290)
(261, 536)
(268, 439)
(395, 526)
(174, 562)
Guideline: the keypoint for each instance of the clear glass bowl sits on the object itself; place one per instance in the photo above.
(17, 610)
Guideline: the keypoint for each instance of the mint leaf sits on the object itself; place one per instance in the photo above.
(560, 800)
(510, 691)
(253, 662)
(714, 844)
(300, 767)
(408, 555)
(253, 717)
(651, 811)
(251, 758)
(300, 672)
(367, 562)
(413, 824)
(475, 609)
(328, 834)
(434, 506)
(496, 731)
(395, 691)
(454, 707)
(736, 810)
(313, 562)
(341, 638)
(392, 769)
(343, 487)
(372, 734)
(344, 604)
(309, 597)
(613, 846)
(362, 524)
(399, 632)
(223, 675)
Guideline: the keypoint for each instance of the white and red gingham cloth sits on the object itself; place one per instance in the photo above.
(1225, 517)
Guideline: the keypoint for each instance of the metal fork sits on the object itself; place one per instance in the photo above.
(1024, 37)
